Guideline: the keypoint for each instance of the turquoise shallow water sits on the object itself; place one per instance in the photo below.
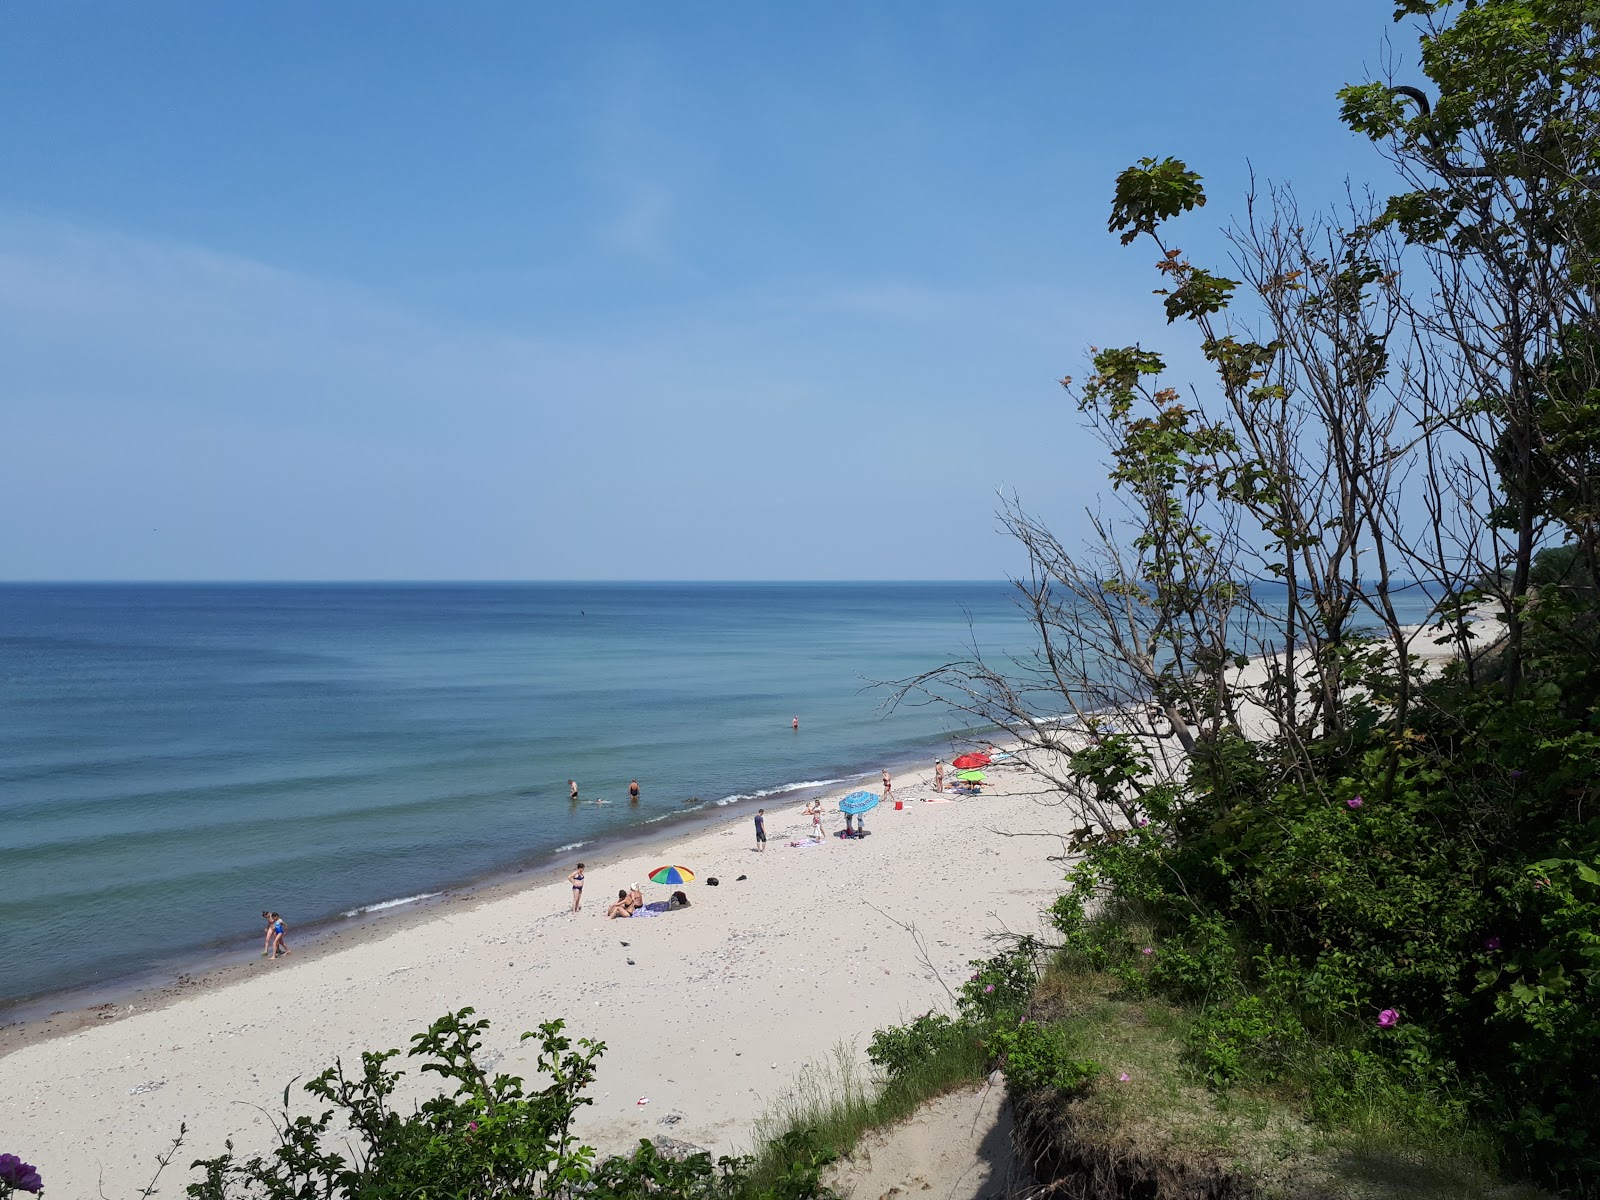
(175, 758)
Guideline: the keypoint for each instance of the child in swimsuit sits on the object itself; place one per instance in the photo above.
(279, 946)
(576, 880)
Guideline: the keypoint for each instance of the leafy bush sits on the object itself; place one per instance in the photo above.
(1036, 1055)
(899, 1048)
(482, 1138)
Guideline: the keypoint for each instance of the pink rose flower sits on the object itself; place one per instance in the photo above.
(1354, 802)
(1147, 950)
(1388, 1018)
(1123, 1078)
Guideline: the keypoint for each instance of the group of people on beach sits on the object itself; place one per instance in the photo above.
(628, 901)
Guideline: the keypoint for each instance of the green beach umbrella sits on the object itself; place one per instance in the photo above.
(670, 874)
(971, 776)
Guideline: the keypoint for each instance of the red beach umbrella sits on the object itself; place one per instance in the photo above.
(969, 762)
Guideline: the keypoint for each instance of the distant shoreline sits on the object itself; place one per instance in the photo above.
(28, 1019)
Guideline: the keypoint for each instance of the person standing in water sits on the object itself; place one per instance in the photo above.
(572, 789)
(761, 830)
(576, 880)
(633, 791)
(795, 724)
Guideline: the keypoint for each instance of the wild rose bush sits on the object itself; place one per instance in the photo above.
(1434, 949)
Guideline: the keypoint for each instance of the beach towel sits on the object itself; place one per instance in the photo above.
(651, 910)
(809, 842)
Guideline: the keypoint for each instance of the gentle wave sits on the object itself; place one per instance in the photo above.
(569, 846)
(372, 908)
(778, 791)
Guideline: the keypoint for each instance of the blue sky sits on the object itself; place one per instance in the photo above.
(623, 290)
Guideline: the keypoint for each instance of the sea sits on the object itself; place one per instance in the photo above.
(176, 758)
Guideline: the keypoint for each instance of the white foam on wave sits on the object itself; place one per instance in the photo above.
(379, 907)
(777, 791)
(569, 846)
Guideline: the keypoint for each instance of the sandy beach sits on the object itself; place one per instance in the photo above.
(706, 1013)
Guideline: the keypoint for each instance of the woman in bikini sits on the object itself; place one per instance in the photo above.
(576, 880)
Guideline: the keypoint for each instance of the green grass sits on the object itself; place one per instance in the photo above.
(1165, 1112)
(842, 1102)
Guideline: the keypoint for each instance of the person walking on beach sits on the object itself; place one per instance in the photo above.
(761, 830)
(572, 789)
(633, 791)
(279, 946)
(576, 880)
(888, 785)
(938, 774)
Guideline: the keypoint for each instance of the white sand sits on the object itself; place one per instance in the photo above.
(725, 1000)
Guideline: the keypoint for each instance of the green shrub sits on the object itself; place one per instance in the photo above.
(1036, 1055)
(481, 1138)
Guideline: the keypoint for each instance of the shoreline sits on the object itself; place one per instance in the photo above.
(64, 1010)
(707, 1013)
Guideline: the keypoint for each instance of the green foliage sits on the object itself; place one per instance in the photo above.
(900, 1048)
(647, 1172)
(1038, 1056)
(1151, 192)
(479, 1138)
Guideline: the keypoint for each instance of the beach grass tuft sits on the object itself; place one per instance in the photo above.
(839, 1101)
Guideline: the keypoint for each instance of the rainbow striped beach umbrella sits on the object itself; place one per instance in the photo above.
(670, 874)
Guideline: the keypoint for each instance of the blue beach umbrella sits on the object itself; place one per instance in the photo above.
(858, 802)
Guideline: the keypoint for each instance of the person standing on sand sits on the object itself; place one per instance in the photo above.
(849, 825)
(888, 785)
(279, 946)
(761, 830)
(816, 823)
(266, 943)
(576, 880)
(938, 774)
(572, 789)
(633, 791)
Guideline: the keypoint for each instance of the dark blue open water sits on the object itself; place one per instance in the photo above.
(174, 758)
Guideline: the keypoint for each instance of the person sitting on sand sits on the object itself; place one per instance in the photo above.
(619, 907)
(679, 900)
(635, 899)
